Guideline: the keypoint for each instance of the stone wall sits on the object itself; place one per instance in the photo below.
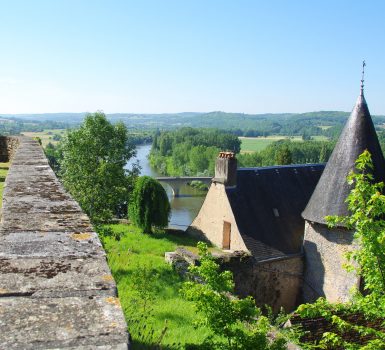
(275, 282)
(56, 290)
(324, 256)
(8, 147)
(209, 221)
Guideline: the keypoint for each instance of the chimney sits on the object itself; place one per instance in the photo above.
(226, 169)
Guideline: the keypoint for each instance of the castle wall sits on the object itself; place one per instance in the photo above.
(324, 275)
(209, 221)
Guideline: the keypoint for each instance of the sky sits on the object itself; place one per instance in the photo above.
(166, 56)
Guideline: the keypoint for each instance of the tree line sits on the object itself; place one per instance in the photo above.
(189, 151)
(285, 152)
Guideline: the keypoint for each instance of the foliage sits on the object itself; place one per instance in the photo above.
(146, 282)
(92, 167)
(234, 323)
(149, 205)
(199, 185)
(288, 152)
(283, 156)
(344, 326)
(189, 151)
(366, 203)
(54, 155)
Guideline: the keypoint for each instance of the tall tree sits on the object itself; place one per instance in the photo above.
(149, 205)
(284, 156)
(93, 163)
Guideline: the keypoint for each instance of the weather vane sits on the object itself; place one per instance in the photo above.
(363, 77)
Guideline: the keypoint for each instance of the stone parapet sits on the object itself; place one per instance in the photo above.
(56, 289)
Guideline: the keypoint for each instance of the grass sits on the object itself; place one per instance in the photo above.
(324, 127)
(4, 167)
(256, 144)
(149, 288)
(46, 136)
(320, 138)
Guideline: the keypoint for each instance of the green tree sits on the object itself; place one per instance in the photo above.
(283, 156)
(54, 155)
(149, 205)
(92, 168)
(324, 154)
(236, 324)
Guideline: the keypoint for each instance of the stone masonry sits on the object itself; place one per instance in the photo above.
(325, 275)
(56, 290)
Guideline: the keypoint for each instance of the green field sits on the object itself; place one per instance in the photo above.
(256, 144)
(320, 138)
(46, 136)
(140, 271)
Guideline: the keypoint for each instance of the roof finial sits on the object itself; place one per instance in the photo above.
(363, 78)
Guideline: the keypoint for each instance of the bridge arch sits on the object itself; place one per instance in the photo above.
(177, 182)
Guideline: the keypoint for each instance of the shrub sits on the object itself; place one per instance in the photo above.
(149, 205)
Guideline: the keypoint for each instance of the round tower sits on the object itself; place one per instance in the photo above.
(324, 247)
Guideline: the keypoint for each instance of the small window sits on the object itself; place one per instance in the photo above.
(276, 212)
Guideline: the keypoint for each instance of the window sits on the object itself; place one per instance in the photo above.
(226, 235)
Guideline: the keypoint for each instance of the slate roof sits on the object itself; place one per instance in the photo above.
(267, 204)
(331, 192)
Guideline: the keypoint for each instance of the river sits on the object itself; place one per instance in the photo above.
(184, 208)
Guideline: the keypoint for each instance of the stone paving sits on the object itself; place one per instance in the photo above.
(56, 290)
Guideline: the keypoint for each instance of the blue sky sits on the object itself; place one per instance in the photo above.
(190, 55)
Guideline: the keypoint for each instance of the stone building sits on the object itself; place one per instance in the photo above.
(258, 210)
(295, 257)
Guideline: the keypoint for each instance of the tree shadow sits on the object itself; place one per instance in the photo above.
(179, 237)
(314, 273)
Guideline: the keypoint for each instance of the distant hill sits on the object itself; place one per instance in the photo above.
(326, 123)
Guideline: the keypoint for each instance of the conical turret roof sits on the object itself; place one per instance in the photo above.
(332, 189)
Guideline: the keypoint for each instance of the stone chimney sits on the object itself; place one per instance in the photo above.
(226, 169)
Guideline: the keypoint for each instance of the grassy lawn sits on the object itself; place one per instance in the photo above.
(4, 167)
(320, 138)
(149, 288)
(254, 144)
(46, 135)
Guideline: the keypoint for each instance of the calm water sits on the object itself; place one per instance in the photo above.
(183, 208)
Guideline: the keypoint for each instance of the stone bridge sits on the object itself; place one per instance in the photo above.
(56, 289)
(177, 182)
